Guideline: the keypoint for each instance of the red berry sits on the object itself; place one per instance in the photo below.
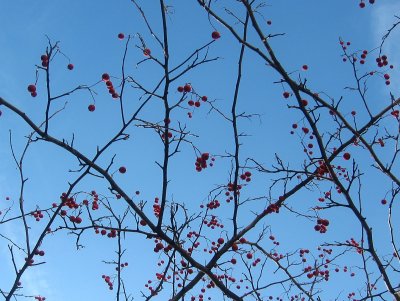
(34, 94)
(31, 88)
(180, 89)
(143, 222)
(147, 52)
(215, 35)
(221, 240)
(105, 77)
(70, 66)
(384, 202)
(187, 88)
(121, 36)
(204, 98)
(122, 169)
(249, 255)
(286, 94)
(305, 67)
(91, 108)
(362, 4)
(346, 156)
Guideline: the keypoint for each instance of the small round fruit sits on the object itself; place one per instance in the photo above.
(121, 36)
(91, 107)
(31, 88)
(346, 156)
(105, 77)
(215, 35)
(70, 66)
(187, 88)
(147, 52)
(122, 169)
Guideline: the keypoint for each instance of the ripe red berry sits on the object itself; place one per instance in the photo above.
(305, 67)
(91, 107)
(215, 35)
(180, 89)
(221, 240)
(190, 102)
(105, 77)
(31, 88)
(187, 88)
(147, 52)
(122, 169)
(121, 36)
(70, 66)
(249, 255)
(346, 156)
(286, 94)
(362, 4)
(34, 94)
(204, 98)
(383, 202)
(143, 222)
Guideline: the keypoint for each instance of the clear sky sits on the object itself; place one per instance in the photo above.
(87, 31)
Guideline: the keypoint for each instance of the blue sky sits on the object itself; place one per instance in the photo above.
(87, 31)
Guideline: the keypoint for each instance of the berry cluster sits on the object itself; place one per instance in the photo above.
(321, 225)
(156, 207)
(185, 89)
(355, 244)
(362, 3)
(107, 279)
(213, 222)
(106, 78)
(75, 219)
(32, 90)
(45, 60)
(39, 252)
(246, 176)
(38, 215)
(214, 204)
(201, 162)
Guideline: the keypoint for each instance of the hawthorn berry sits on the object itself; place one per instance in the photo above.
(286, 94)
(121, 36)
(70, 66)
(105, 77)
(146, 52)
(187, 88)
(31, 88)
(91, 107)
(122, 169)
(346, 156)
(383, 202)
(215, 35)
